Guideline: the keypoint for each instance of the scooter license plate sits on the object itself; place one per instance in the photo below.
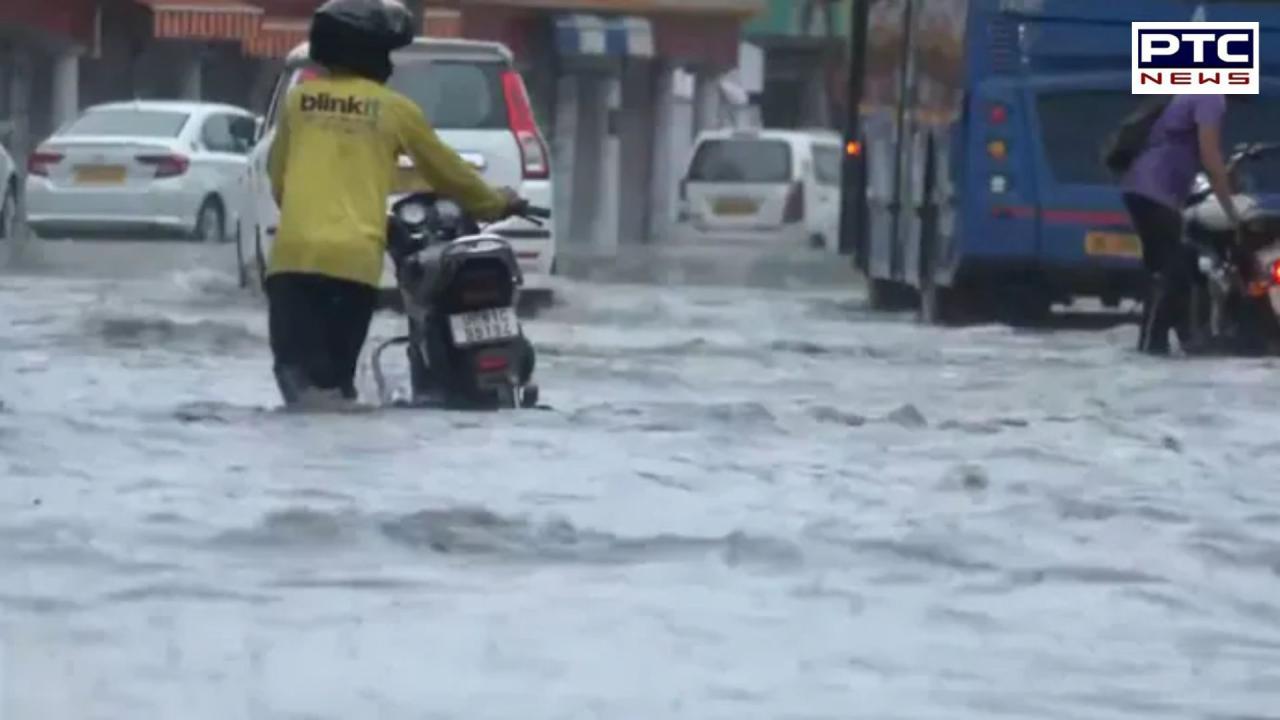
(484, 326)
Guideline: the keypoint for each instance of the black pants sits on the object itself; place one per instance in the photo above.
(1170, 272)
(318, 326)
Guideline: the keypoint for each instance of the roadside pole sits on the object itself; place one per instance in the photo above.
(853, 187)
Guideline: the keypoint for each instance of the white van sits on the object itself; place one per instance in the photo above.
(472, 94)
(775, 187)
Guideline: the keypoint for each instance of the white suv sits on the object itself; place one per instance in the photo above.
(472, 94)
(771, 187)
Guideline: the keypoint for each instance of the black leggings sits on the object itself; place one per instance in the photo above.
(1170, 269)
(318, 327)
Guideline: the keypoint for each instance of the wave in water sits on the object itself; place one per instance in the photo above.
(478, 532)
(157, 331)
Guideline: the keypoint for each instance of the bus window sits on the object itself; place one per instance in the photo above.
(1073, 126)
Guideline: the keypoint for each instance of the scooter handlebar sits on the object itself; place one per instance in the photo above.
(534, 212)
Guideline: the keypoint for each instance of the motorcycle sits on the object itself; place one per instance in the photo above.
(459, 288)
(1235, 293)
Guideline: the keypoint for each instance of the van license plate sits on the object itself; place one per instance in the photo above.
(484, 326)
(100, 174)
(1126, 245)
(735, 206)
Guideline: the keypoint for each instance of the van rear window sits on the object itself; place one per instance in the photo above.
(455, 95)
(742, 161)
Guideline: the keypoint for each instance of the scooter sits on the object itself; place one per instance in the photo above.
(460, 288)
(1235, 298)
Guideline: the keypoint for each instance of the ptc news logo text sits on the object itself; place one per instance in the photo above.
(1195, 58)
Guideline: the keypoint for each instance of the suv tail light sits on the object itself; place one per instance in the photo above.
(794, 211)
(39, 162)
(533, 151)
(166, 165)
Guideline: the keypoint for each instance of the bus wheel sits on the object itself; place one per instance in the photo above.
(889, 295)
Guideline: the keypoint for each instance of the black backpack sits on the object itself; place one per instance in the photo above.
(1130, 139)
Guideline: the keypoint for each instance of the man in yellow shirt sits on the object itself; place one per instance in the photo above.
(332, 165)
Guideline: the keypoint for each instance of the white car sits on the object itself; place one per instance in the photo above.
(142, 167)
(769, 187)
(477, 102)
(8, 195)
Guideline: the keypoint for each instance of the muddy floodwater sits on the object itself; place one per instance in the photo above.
(743, 504)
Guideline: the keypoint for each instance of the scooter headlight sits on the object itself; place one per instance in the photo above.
(412, 213)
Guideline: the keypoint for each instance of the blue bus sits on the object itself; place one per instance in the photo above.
(981, 124)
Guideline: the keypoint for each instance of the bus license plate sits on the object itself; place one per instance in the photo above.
(484, 326)
(1124, 245)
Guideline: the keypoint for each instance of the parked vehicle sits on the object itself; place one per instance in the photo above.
(8, 195)
(143, 167)
(476, 100)
(981, 128)
(773, 187)
(460, 288)
(1235, 301)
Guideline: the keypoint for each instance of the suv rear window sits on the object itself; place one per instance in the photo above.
(129, 122)
(455, 95)
(742, 161)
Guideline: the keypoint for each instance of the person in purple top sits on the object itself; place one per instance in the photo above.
(1186, 137)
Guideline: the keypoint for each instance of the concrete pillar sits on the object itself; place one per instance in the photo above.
(66, 88)
(707, 101)
(664, 185)
(192, 79)
(589, 154)
(21, 65)
(636, 129)
(606, 226)
(565, 157)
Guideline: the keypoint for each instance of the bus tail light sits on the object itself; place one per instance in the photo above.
(999, 184)
(998, 114)
(998, 150)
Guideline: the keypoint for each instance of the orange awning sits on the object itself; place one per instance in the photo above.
(276, 37)
(231, 20)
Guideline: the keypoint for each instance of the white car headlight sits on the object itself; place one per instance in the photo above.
(413, 213)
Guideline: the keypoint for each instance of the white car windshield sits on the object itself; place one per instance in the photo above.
(129, 122)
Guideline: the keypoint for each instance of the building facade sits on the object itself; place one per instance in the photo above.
(805, 44)
(620, 86)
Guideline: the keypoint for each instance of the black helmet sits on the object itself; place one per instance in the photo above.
(360, 35)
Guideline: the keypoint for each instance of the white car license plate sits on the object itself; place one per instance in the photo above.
(484, 326)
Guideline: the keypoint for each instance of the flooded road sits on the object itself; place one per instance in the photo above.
(745, 503)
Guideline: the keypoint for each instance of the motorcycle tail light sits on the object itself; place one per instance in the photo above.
(1275, 272)
(491, 363)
